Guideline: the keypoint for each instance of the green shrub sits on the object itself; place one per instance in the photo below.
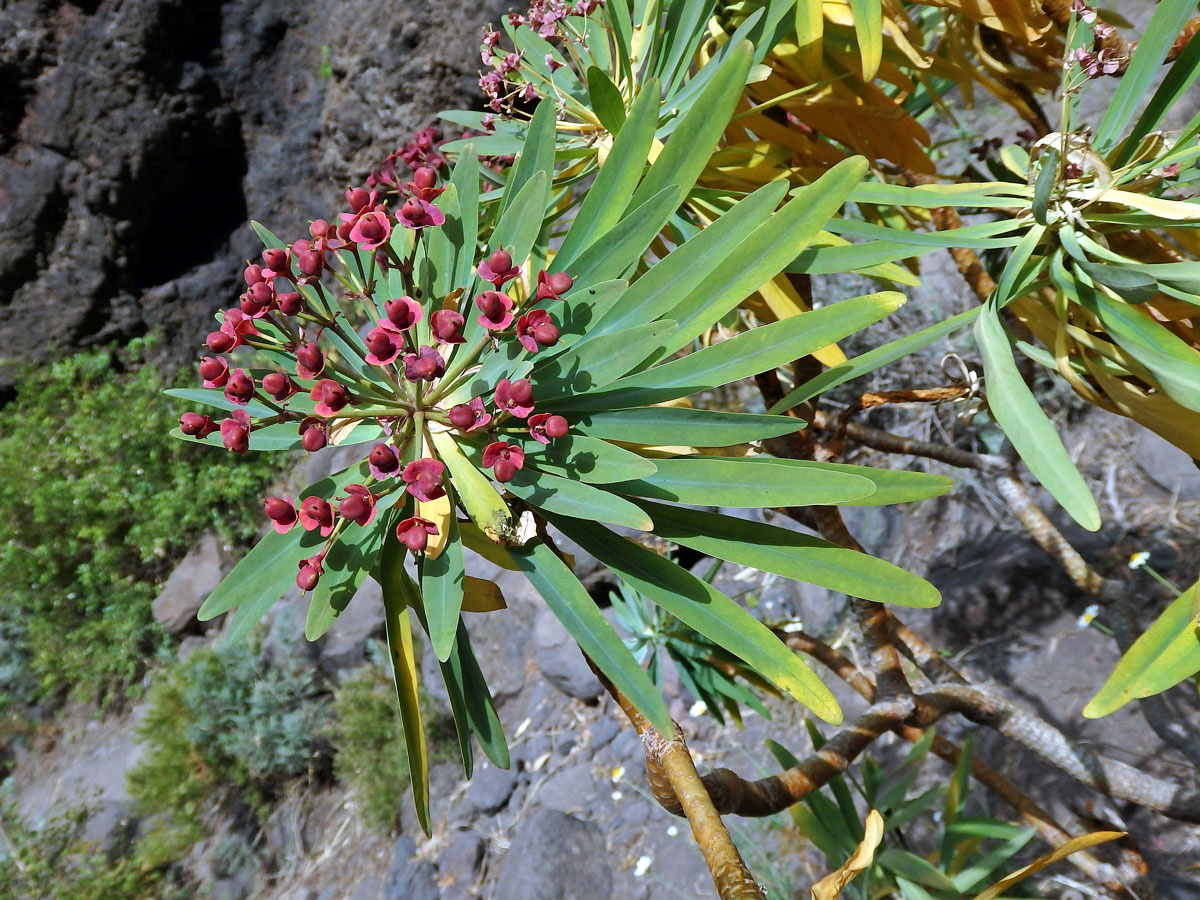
(105, 504)
(223, 727)
(54, 862)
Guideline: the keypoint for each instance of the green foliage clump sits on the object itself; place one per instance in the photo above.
(104, 503)
(224, 726)
(55, 862)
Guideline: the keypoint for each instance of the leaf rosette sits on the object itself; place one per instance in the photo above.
(504, 395)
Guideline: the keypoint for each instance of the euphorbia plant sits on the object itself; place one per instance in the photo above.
(502, 395)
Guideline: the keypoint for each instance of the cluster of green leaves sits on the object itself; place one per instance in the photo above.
(959, 852)
(53, 861)
(102, 505)
(223, 726)
(630, 340)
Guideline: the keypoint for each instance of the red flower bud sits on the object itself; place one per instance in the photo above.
(545, 426)
(313, 435)
(424, 478)
(504, 459)
(214, 370)
(310, 573)
(220, 342)
(239, 388)
(315, 514)
(279, 385)
(383, 461)
(462, 416)
(536, 329)
(276, 259)
(310, 361)
(331, 397)
(196, 425)
(498, 268)
(427, 364)
(403, 312)
(253, 275)
(414, 533)
(309, 262)
(496, 309)
(358, 505)
(446, 326)
(358, 198)
(235, 432)
(318, 229)
(552, 287)
(291, 303)
(281, 513)
(262, 292)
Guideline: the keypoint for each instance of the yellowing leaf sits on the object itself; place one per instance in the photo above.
(784, 300)
(1156, 206)
(481, 595)
(833, 883)
(1071, 846)
(438, 512)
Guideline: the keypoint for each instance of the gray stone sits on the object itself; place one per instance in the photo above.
(111, 826)
(344, 645)
(409, 878)
(559, 659)
(284, 642)
(370, 888)
(555, 856)
(570, 789)
(461, 861)
(490, 789)
(1167, 466)
(603, 731)
(189, 585)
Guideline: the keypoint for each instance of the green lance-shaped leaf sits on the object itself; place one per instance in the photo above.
(625, 243)
(708, 481)
(682, 426)
(442, 591)
(593, 364)
(1179, 78)
(757, 350)
(1175, 363)
(465, 179)
(766, 252)
(691, 144)
(606, 100)
(604, 202)
(891, 485)
(263, 574)
(868, 30)
(1018, 413)
(707, 610)
(442, 243)
(792, 555)
(587, 459)
(1165, 655)
(1044, 185)
(871, 360)
(1132, 286)
(568, 497)
(536, 156)
(578, 613)
(399, 592)
(687, 267)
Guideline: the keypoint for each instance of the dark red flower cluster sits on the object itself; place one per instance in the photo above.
(403, 373)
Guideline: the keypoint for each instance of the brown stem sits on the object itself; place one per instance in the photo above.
(1114, 779)
(733, 880)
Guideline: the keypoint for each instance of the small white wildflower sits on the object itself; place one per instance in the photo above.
(617, 774)
(1085, 619)
(616, 796)
(673, 831)
(642, 867)
(1139, 559)
(698, 709)
(793, 627)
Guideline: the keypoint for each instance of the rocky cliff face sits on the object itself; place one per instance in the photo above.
(138, 136)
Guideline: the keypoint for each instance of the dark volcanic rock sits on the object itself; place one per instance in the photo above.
(554, 855)
(137, 136)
